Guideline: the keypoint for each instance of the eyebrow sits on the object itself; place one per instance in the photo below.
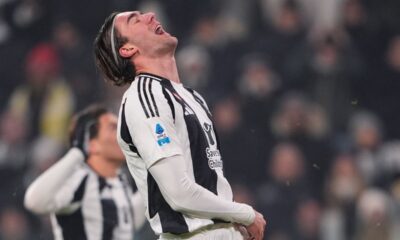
(133, 14)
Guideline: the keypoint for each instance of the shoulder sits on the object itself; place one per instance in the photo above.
(82, 171)
(145, 95)
(143, 87)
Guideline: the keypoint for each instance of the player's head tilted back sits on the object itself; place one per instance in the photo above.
(120, 71)
(127, 41)
(94, 131)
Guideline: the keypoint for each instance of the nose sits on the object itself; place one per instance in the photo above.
(150, 16)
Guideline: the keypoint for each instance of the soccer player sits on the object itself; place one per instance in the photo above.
(167, 135)
(85, 192)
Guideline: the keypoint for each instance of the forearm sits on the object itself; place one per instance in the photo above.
(40, 196)
(186, 196)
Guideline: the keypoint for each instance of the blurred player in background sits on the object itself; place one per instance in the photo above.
(86, 194)
(167, 135)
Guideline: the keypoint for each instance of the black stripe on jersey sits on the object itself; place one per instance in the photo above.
(146, 95)
(124, 131)
(72, 224)
(169, 101)
(102, 183)
(203, 104)
(171, 221)
(152, 76)
(203, 174)
(200, 101)
(140, 80)
(152, 99)
(219, 221)
(110, 218)
(78, 195)
(127, 186)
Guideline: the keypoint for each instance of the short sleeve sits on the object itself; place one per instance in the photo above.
(150, 121)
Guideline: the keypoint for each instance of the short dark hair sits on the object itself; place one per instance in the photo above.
(87, 120)
(118, 72)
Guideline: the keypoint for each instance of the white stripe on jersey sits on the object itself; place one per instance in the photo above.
(91, 207)
(178, 122)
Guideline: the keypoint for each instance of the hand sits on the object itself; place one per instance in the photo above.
(256, 229)
(242, 229)
(80, 135)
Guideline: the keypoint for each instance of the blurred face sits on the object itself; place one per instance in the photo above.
(227, 116)
(145, 34)
(288, 21)
(287, 163)
(259, 80)
(345, 182)
(39, 72)
(12, 128)
(65, 36)
(367, 137)
(294, 113)
(13, 224)
(354, 13)
(106, 140)
(344, 167)
(308, 218)
(393, 53)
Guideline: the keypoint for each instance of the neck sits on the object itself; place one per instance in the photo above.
(162, 66)
(103, 167)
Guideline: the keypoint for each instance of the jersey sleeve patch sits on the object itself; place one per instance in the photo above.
(161, 135)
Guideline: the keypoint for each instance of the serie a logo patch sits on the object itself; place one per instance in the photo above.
(161, 135)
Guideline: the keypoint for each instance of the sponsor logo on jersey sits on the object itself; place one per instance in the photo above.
(162, 137)
(214, 158)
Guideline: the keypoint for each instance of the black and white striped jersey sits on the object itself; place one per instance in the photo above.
(90, 207)
(158, 119)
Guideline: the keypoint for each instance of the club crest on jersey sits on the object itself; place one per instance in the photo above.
(162, 137)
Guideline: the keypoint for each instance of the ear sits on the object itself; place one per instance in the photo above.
(94, 147)
(128, 50)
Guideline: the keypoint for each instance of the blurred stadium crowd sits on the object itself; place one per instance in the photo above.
(304, 93)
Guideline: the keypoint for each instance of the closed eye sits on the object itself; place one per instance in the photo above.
(134, 15)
